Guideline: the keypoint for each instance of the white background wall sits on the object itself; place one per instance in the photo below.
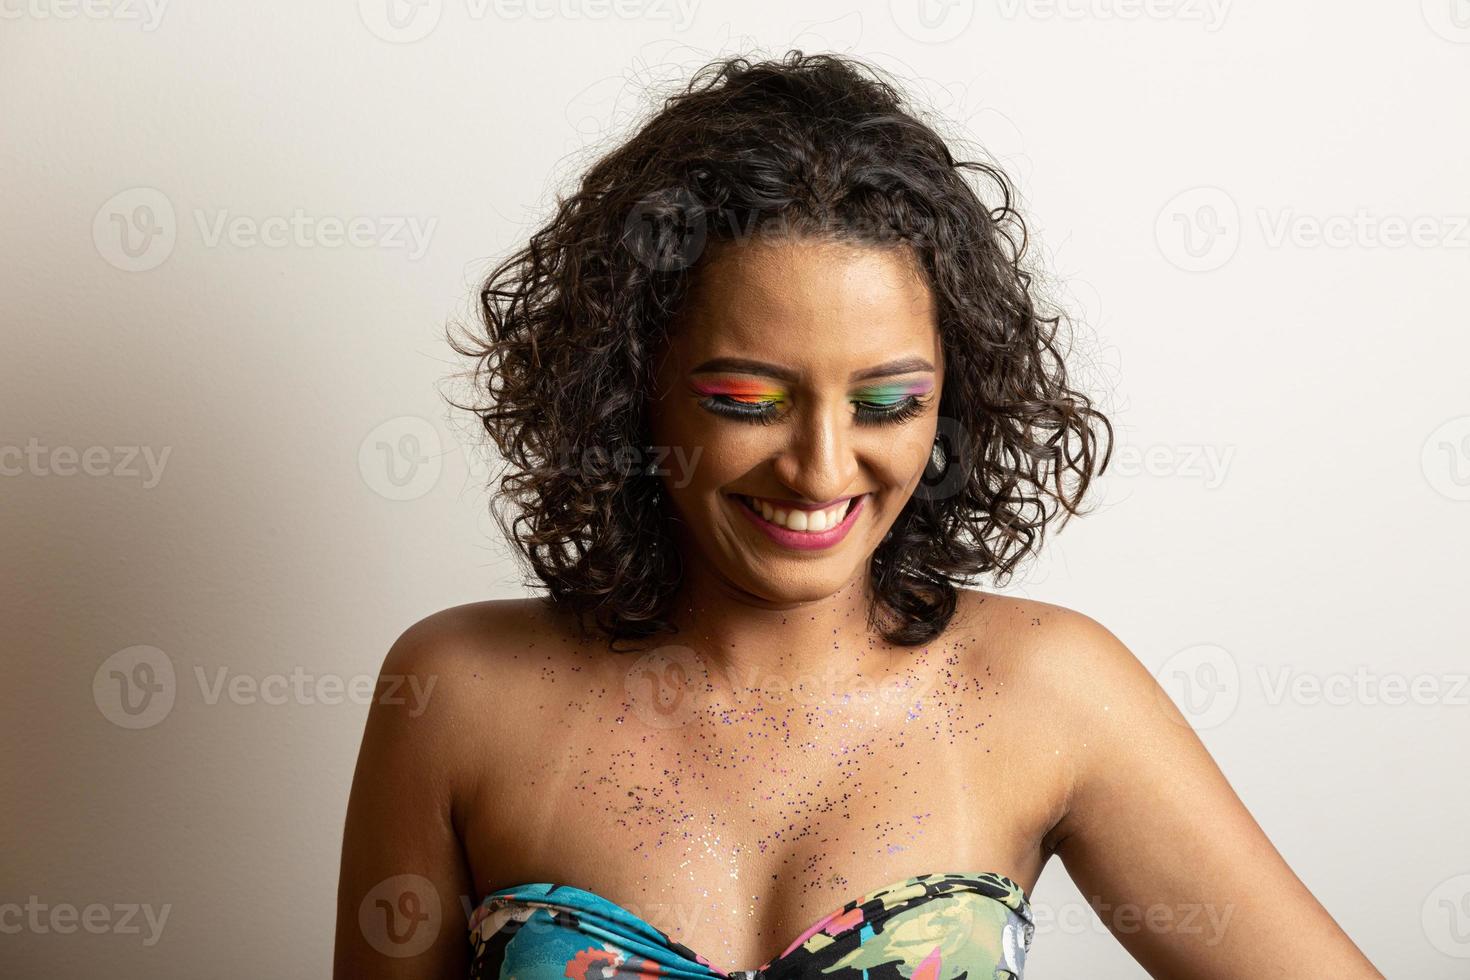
(1291, 502)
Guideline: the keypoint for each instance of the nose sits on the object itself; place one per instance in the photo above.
(819, 463)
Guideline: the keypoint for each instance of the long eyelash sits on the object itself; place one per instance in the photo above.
(763, 412)
(901, 412)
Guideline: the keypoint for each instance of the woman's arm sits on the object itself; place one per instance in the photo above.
(1159, 843)
(403, 882)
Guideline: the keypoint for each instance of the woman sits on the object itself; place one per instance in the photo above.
(771, 385)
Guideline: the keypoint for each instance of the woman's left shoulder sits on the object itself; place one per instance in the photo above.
(1059, 649)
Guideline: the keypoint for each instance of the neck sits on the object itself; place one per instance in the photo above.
(752, 642)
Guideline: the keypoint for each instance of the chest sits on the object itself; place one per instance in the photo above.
(735, 829)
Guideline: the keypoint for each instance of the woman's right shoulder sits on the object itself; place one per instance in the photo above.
(456, 681)
(479, 647)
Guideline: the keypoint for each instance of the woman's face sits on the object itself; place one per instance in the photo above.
(802, 378)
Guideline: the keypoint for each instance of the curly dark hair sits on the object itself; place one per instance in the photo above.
(812, 144)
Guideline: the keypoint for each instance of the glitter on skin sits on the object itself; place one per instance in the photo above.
(822, 767)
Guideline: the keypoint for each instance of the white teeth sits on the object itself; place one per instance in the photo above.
(810, 522)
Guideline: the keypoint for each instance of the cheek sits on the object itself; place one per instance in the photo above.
(912, 451)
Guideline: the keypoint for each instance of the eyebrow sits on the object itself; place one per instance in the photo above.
(742, 365)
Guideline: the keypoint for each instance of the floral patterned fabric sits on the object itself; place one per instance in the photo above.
(929, 927)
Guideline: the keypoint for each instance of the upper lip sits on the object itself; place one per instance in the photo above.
(794, 505)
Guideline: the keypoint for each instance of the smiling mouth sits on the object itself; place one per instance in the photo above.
(800, 521)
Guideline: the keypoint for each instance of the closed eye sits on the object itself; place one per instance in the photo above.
(767, 411)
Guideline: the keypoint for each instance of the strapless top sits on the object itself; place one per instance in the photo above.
(928, 927)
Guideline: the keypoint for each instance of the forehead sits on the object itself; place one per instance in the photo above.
(808, 301)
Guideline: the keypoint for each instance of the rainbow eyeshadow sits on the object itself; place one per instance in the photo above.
(743, 390)
(893, 393)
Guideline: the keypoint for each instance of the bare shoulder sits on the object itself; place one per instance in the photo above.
(1059, 650)
(450, 682)
(1149, 819)
(436, 721)
(1070, 688)
(479, 646)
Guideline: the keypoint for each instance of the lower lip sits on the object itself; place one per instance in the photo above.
(804, 540)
